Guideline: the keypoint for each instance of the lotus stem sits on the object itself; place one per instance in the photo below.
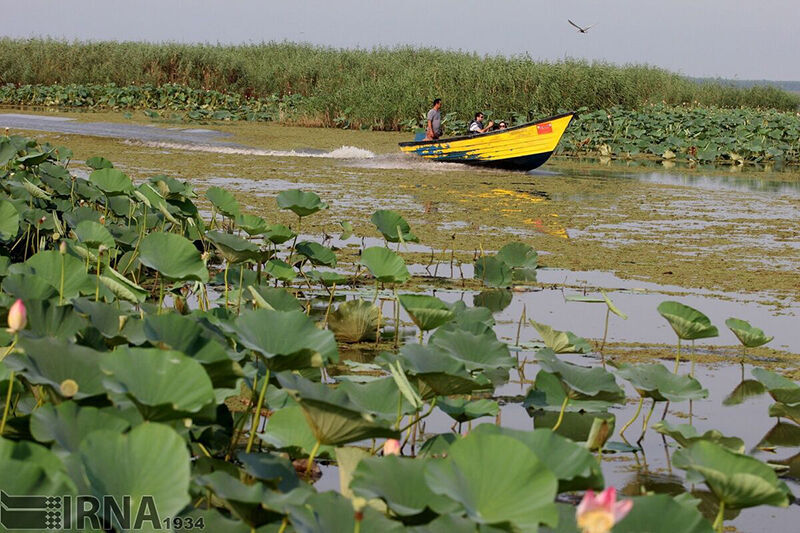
(635, 416)
(61, 284)
(161, 295)
(420, 335)
(8, 403)
(718, 521)
(357, 524)
(561, 414)
(257, 413)
(678, 356)
(691, 372)
(284, 523)
(294, 242)
(311, 456)
(605, 334)
(417, 420)
(235, 437)
(396, 318)
(330, 303)
(225, 277)
(97, 276)
(10, 347)
(522, 318)
(378, 327)
(241, 280)
(646, 420)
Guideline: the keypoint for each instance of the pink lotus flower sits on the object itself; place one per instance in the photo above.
(17, 317)
(598, 514)
(391, 447)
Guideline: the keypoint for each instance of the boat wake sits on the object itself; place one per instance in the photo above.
(343, 152)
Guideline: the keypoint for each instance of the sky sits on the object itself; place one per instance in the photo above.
(703, 38)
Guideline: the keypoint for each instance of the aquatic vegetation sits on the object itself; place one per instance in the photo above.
(120, 341)
(688, 324)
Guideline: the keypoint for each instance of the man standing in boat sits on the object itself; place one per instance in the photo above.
(476, 126)
(434, 128)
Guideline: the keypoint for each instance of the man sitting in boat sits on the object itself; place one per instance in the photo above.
(476, 126)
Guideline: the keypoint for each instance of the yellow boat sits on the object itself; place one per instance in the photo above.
(522, 147)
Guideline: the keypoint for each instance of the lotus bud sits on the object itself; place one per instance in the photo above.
(62, 248)
(391, 447)
(68, 388)
(598, 514)
(17, 317)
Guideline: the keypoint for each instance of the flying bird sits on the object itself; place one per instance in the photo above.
(581, 30)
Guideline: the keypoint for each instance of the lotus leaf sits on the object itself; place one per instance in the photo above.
(277, 471)
(687, 322)
(656, 382)
(9, 220)
(781, 389)
(288, 430)
(354, 321)
(493, 299)
(223, 201)
(68, 424)
(492, 489)
(334, 419)
(316, 253)
(163, 384)
(275, 298)
(781, 410)
(252, 224)
(47, 266)
(736, 480)
(427, 312)
(385, 265)
(234, 249)
(476, 351)
(671, 517)
(94, 234)
(175, 257)
(581, 383)
(321, 510)
(748, 335)
(561, 341)
(782, 434)
(521, 259)
(280, 270)
(493, 272)
(97, 163)
(685, 434)
(111, 181)
(300, 203)
(278, 233)
(286, 339)
(379, 397)
(746, 389)
(393, 226)
(327, 278)
(124, 465)
(462, 410)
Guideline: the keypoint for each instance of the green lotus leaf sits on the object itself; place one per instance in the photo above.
(316, 253)
(47, 266)
(280, 270)
(234, 249)
(493, 490)
(398, 481)
(393, 226)
(278, 233)
(782, 434)
(163, 384)
(581, 383)
(656, 382)
(737, 480)
(97, 163)
(427, 312)
(67, 424)
(748, 388)
(436, 372)
(122, 287)
(462, 410)
(687, 322)
(354, 321)
(223, 201)
(252, 224)
(286, 339)
(493, 272)
(175, 257)
(328, 278)
(781, 410)
(476, 351)
(94, 234)
(561, 341)
(385, 265)
(521, 259)
(781, 389)
(322, 510)
(50, 361)
(300, 203)
(592, 429)
(748, 335)
(333, 418)
(379, 397)
(48, 319)
(243, 499)
(111, 181)
(276, 470)
(32, 470)
(347, 230)
(493, 299)
(686, 434)
(275, 298)
(574, 465)
(9, 220)
(671, 517)
(287, 430)
(124, 465)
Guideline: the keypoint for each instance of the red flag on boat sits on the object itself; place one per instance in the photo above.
(541, 129)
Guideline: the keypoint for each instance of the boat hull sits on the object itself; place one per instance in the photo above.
(524, 147)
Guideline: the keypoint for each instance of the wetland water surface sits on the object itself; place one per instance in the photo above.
(726, 244)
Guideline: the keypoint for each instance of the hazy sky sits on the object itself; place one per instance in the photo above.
(727, 38)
